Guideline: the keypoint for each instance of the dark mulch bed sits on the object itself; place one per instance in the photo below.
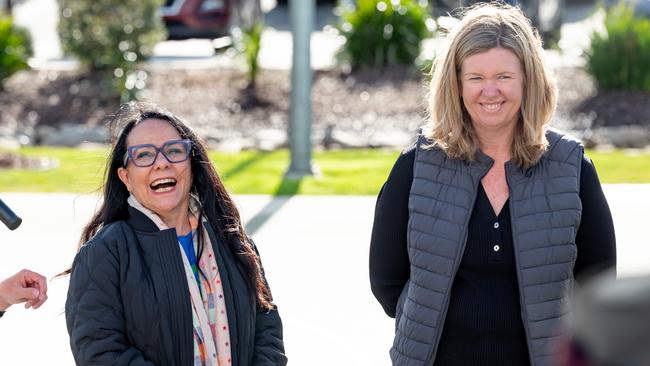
(214, 100)
(618, 108)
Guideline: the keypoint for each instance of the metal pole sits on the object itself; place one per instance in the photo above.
(302, 16)
(8, 7)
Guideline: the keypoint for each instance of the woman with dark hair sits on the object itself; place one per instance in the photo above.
(165, 274)
(483, 225)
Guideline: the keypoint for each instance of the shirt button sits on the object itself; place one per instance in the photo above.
(496, 225)
(496, 248)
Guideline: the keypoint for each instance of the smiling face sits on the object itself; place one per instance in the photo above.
(163, 187)
(492, 84)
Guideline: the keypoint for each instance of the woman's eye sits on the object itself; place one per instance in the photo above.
(143, 154)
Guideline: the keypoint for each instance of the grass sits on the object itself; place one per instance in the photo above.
(622, 166)
(249, 172)
(360, 172)
(77, 171)
(342, 172)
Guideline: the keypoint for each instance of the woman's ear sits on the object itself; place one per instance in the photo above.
(123, 174)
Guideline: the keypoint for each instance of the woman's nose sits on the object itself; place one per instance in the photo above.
(490, 89)
(161, 161)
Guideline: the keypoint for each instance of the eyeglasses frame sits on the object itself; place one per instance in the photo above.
(159, 151)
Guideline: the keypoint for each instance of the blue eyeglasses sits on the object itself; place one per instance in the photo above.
(144, 155)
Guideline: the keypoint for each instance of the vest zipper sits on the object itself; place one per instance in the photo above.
(524, 313)
(461, 251)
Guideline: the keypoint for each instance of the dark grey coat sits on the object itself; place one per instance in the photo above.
(129, 303)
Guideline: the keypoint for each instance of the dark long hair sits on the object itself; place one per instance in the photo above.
(215, 202)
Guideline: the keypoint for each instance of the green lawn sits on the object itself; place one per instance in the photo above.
(342, 172)
(621, 166)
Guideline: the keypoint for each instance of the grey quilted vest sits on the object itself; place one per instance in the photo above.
(545, 210)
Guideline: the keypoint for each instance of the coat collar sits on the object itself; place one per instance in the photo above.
(140, 222)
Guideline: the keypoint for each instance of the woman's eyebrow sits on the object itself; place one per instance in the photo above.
(481, 74)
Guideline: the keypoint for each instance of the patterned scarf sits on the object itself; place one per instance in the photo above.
(209, 317)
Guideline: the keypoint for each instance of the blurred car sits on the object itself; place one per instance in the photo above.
(197, 18)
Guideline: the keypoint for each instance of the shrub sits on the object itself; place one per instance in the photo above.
(383, 32)
(620, 58)
(111, 37)
(16, 47)
(248, 42)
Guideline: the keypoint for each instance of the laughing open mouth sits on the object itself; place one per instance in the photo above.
(163, 185)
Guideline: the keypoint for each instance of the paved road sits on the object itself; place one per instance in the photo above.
(41, 17)
(315, 251)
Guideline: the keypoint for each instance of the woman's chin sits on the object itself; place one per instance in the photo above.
(162, 206)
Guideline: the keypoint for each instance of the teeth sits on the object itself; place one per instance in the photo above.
(163, 189)
(163, 185)
(162, 181)
(492, 107)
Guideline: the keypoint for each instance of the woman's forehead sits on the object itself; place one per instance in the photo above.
(152, 131)
(496, 59)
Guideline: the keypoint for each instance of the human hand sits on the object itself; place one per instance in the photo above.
(25, 286)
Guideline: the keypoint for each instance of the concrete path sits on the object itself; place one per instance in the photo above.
(314, 249)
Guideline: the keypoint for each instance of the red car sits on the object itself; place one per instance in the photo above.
(197, 18)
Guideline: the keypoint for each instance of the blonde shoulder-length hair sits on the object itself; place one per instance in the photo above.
(483, 27)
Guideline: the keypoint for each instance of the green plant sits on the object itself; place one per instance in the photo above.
(248, 43)
(16, 47)
(383, 32)
(112, 37)
(620, 58)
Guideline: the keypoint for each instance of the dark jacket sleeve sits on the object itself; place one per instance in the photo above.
(389, 262)
(595, 240)
(269, 346)
(93, 309)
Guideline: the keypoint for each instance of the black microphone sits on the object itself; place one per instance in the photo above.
(8, 217)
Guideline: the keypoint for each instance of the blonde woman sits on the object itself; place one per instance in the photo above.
(482, 226)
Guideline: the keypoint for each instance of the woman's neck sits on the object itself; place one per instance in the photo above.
(497, 144)
(179, 221)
